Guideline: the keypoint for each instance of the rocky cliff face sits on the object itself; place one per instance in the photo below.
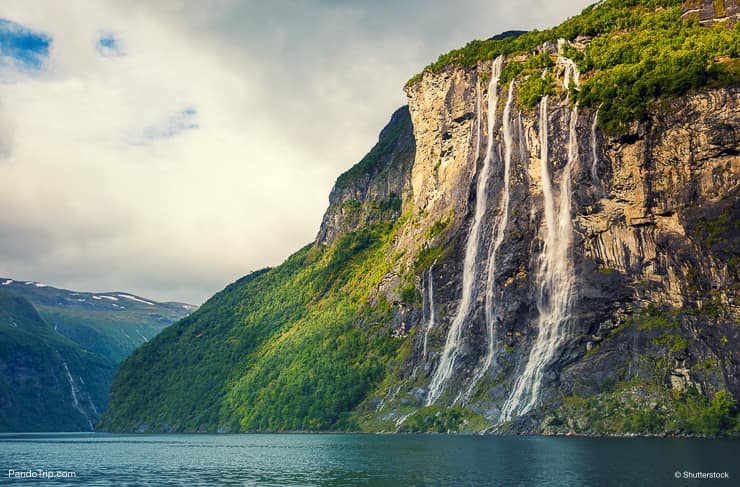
(572, 265)
(372, 191)
(708, 12)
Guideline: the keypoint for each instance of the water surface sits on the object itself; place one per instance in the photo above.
(339, 459)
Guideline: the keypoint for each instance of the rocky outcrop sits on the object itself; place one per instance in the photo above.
(372, 190)
(708, 12)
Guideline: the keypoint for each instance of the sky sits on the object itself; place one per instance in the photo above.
(166, 148)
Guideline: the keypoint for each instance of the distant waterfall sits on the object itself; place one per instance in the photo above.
(555, 275)
(594, 152)
(478, 127)
(499, 232)
(430, 322)
(75, 399)
(454, 335)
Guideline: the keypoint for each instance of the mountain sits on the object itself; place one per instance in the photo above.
(294, 347)
(59, 350)
(47, 382)
(544, 241)
(507, 34)
(112, 324)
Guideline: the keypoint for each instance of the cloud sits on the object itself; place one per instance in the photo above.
(7, 130)
(167, 148)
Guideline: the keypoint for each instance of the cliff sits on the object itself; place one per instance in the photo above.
(708, 12)
(635, 299)
(553, 249)
(372, 190)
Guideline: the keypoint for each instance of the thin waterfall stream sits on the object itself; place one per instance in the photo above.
(499, 233)
(555, 277)
(594, 152)
(75, 399)
(453, 341)
(555, 272)
(430, 322)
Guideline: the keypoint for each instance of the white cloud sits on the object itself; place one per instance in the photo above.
(206, 147)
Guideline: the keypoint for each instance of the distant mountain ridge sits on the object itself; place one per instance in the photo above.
(59, 350)
(109, 323)
(507, 35)
(41, 293)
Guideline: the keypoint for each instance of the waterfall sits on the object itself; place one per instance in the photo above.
(594, 152)
(571, 73)
(477, 120)
(454, 335)
(520, 137)
(430, 322)
(570, 70)
(555, 275)
(142, 336)
(499, 233)
(75, 399)
(402, 419)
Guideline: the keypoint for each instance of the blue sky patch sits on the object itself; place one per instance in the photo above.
(177, 123)
(28, 49)
(109, 46)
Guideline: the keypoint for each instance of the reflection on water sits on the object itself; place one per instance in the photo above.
(336, 459)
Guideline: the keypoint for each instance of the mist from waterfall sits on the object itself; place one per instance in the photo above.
(453, 341)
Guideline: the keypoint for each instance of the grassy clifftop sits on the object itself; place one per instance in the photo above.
(635, 53)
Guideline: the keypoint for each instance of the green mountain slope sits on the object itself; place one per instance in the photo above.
(47, 382)
(291, 348)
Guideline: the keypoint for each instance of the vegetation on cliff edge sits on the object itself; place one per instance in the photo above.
(641, 51)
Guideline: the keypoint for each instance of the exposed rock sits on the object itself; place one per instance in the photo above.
(709, 11)
(681, 380)
(373, 190)
(635, 238)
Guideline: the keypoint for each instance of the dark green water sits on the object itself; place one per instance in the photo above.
(305, 460)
